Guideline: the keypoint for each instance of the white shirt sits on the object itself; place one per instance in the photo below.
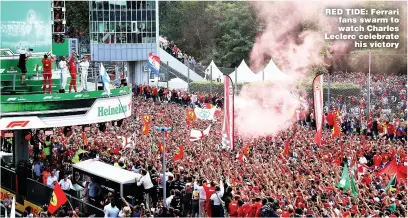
(51, 180)
(169, 199)
(167, 175)
(63, 66)
(111, 211)
(201, 190)
(146, 181)
(65, 185)
(84, 66)
(362, 160)
(216, 199)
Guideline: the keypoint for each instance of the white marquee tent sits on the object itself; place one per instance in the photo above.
(216, 73)
(244, 74)
(273, 73)
(177, 83)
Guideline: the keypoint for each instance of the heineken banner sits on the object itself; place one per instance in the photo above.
(26, 24)
(102, 110)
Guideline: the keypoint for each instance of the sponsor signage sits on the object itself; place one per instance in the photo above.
(62, 96)
(108, 111)
(17, 123)
(103, 110)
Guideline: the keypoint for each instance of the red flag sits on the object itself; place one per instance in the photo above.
(191, 115)
(318, 107)
(145, 129)
(285, 151)
(245, 150)
(179, 154)
(393, 168)
(84, 138)
(227, 139)
(146, 118)
(161, 148)
(58, 199)
(336, 129)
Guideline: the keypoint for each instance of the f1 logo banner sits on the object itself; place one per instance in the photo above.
(13, 124)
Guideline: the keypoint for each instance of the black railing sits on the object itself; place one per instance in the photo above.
(172, 73)
(8, 179)
(40, 194)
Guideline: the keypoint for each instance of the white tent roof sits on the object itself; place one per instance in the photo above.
(107, 171)
(244, 74)
(216, 73)
(177, 83)
(273, 73)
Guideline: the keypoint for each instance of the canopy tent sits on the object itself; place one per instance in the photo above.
(273, 73)
(244, 74)
(177, 83)
(107, 171)
(213, 70)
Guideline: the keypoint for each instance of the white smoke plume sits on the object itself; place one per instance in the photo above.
(267, 109)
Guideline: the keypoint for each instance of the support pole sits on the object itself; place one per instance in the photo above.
(211, 81)
(328, 91)
(163, 130)
(188, 76)
(236, 78)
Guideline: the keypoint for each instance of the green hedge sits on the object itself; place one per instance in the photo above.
(336, 89)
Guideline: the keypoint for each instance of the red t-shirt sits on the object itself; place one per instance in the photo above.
(285, 214)
(258, 209)
(72, 66)
(240, 211)
(247, 210)
(208, 191)
(330, 119)
(377, 160)
(47, 65)
(233, 208)
(390, 129)
(385, 157)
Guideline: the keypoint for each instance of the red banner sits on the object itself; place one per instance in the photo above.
(228, 125)
(318, 107)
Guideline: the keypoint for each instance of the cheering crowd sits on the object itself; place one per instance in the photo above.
(172, 49)
(272, 176)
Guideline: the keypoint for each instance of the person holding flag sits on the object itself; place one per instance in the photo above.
(105, 79)
(58, 198)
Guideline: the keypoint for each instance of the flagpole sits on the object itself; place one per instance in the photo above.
(70, 205)
(163, 130)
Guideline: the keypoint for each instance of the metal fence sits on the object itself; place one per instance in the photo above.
(40, 194)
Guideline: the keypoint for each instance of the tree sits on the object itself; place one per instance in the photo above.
(77, 15)
(235, 28)
(188, 26)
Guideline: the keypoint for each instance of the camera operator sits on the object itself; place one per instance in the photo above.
(24, 56)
